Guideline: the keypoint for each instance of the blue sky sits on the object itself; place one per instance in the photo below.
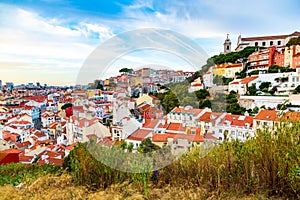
(48, 40)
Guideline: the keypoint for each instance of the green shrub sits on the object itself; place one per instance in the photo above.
(15, 173)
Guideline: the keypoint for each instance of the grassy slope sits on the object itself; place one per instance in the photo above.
(267, 166)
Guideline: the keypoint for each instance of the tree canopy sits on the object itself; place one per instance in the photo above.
(277, 69)
(293, 41)
(125, 70)
(66, 105)
(147, 146)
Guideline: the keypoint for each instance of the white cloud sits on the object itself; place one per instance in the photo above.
(29, 42)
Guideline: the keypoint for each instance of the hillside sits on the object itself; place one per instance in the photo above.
(264, 167)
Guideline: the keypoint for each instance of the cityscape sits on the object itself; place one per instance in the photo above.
(228, 129)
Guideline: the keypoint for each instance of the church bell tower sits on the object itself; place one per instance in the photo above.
(227, 45)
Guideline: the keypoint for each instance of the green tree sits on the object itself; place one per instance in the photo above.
(107, 123)
(226, 81)
(218, 80)
(264, 85)
(252, 90)
(202, 94)
(130, 147)
(126, 70)
(66, 105)
(297, 90)
(123, 145)
(170, 101)
(255, 110)
(99, 86)
(147, 146)
(293, 41)
(277, 69)
(205, 104)
(236, 109)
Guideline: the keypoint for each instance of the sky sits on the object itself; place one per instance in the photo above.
(48, 41)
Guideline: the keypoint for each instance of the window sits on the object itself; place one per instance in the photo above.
(271, 43)
(264, 43)
(278, 42)
(220, 130)
(256, 44)
(227, 47)
(265, 123)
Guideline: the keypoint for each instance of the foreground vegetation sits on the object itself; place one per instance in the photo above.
(267, 166)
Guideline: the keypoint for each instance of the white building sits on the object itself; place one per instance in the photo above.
(250, 102)
(235, 127)
(208, 79)
(186, 116)
(264, 41)
(240, 85)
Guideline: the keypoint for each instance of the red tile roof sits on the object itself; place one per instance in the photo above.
(139, 134)
(293, 116)
(268, 115)
(150, 123)
(238, 120)
(176, 127)
(248, 79)
(8, 151)
(195, 111)
(209, 116)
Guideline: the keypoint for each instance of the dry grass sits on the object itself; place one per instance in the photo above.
(62, 188)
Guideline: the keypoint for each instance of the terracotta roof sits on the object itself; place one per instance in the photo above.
(238, 120)
(71, 146)
(234, 83)
(191, 138)
(234, 65)
(209, 116)
(139, 134)
(196, 84)
(176, 127)
(9, 151)
(39, 99)
(56, 161)
(293, 116)
(23, 158)
(150, 123)
(248, 79)
(107, 141)
(195, 111)
(162, 137)
(268, 115)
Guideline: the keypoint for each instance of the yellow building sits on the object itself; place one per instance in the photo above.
(106, 82)
(144, 99)
(136, 81)
(289, 53)
(219, 70)
(91, 93)
(232, 69)
(228, 70)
